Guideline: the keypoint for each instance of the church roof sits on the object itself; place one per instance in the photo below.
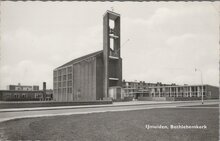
(81, 58)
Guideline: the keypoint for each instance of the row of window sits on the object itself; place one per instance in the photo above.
(167, 90)
(63, 71)
(63, 78)
(21, 95)
(175, 90)
(136, 87)
(177, 93)
(127, 91)
(63, 84)
(63, 90)
(193, 88)
(132, 84)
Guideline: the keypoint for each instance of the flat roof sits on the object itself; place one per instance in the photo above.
(112, 15)
(24, 85)
(21, 91)
(183, 86)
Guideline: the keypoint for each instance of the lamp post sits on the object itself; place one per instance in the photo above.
(201, 82)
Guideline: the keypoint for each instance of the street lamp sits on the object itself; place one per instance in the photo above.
(202, 83)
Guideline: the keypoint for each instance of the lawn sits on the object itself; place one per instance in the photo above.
(212, 105)
(118, 126)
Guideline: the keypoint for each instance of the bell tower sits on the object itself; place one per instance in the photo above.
(111, 53)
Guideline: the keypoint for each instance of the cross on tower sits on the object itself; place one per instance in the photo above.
(112, 9)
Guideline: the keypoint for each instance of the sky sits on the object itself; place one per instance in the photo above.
(167, 40)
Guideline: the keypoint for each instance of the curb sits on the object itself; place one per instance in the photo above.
(91, 106)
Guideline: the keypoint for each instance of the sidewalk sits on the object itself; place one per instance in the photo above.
(115, 104)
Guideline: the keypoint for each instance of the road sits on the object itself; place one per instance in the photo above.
(8, 114)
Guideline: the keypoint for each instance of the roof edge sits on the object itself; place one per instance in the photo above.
(81, 58)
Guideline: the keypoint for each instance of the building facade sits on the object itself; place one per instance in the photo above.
(142, 90)
(49, 95)
(96, 76)
(23, 87)
(26, 93)
(137, 89)
(208, 91)
(20, 95)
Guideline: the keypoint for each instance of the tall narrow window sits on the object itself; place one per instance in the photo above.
(111, 24)
(112, 44)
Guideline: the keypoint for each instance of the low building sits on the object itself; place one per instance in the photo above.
(26, 93)
(23, 87)
(49, 95)
(137, 89)
(208, 91)
(158, 91)
(20, 95)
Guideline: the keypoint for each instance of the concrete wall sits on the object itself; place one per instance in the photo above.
(27, 104)
(106, 47)
(115, 93)
(212, 92)
(87, 81)
(84, 80)
(21, 95)
(169, 98)
(112, 68)
(183, 98)
(115, 71)
(99, 76)
(152, 98)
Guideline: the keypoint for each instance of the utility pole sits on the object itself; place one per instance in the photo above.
(217, 9)
(201, 82)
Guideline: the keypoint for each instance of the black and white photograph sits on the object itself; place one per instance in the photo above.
(109, 71)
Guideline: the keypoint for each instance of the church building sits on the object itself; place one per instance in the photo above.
(96, 76)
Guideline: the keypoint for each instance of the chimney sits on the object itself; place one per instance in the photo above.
(44, 90)
(44, 86)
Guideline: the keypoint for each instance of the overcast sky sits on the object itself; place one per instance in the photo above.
(168, 40)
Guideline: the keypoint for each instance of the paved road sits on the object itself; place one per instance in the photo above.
(8, 114)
